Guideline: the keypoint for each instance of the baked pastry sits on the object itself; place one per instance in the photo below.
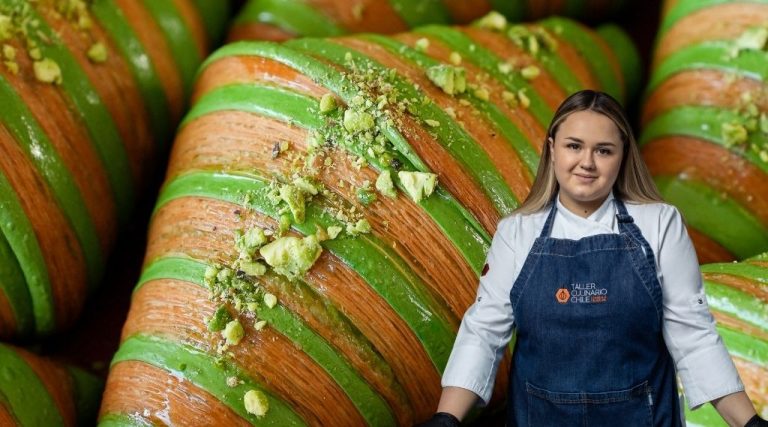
(35, 391)
(90, 93)
(738, 297)
(284, 19)
(326, 214)
(705, 123)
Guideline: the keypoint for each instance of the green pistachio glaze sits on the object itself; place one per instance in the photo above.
(28, 399)
(294, 16)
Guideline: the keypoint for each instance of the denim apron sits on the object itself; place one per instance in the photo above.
(589, 348)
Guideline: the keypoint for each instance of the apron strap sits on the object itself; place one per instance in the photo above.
(627, 225)
(545, 232)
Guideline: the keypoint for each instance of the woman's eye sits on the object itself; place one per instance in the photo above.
(604, 151)
(573, 146)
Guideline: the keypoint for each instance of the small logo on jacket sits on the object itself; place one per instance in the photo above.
(562, 295)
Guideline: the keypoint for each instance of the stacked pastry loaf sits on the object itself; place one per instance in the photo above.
(705, 129)
(38, 392)
(284, 19)
(90, 92)
(326, 213)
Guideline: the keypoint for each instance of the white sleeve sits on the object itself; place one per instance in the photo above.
(487, 325)
(702, 361)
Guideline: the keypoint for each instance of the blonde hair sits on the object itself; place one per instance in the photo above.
(634, 182)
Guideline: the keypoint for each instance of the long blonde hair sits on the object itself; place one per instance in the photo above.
(634, 182)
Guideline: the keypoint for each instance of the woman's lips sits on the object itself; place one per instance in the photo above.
(585, 178)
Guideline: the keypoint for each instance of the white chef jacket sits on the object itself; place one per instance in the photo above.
(702, 361)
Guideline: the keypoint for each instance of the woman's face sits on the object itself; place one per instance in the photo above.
(586, 156)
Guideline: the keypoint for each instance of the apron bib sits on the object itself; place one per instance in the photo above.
(589, 348)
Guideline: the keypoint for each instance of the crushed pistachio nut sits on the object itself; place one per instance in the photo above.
(292, 256)
(432, 123)
(12, 66)
(333, 231)
(384, 184)
(9, 52)
(509, 98)
(247, 243)
(365, 194)
(422, 44)
(752, 39)
(505, 67)
(294, 197)
(357, 121)
(455, 58)
(360, 227)
(253, 268)
(417, 185)
(256, 403)
(306, 185)
(35, 53)
(233, 332)
(219, 320)
(270, 300)
(259, 324)
(6, 27)
(530, 72)
(523, 98)
(283, 224)
(232, 381)
(482, 94)
(357, 11)
(733, 134)
(492, 21)
(47, 71)
(97, 52)
(327, 103)
(763, 155)
(450, 79)
(764, 123)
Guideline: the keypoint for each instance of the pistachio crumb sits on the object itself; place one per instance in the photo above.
(530, 72)
(97, 52)
(733, 134)
(422, 44)
(270, 300)
(455, 58)
(384, 184)
(327, 103)
(232, 382)
(333, 231)
(417, 185)
(259, 324)
(432, 123)
(47, 71)
(524, 100)
(482, 94)
(233, 332)
(505, 67)
(9, 52)
(450, 79)
(492, 21)
(256, 403)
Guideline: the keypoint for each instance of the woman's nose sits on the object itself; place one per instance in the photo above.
(587, 160)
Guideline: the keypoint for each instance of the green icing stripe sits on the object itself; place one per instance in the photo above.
(207, 372)
(422, 12)
(214, 14)
(14, 288)
(629, 58)
(738, 304)
(375, 262)
(94, 115)
(705, 123)
(180, 39)
(748, 271)
(723, 220)
(745, 346)
(29, 400)
(123, 420)
(514, 10)
(489, 62)
(43, 155)
(449, 134)
(705, 416)
(86, 393)
(684, 8)
(454, 220)
(294, 16)
(585, 43)
(371, 406)
(712, 55)
(21, 237)
(152, 92)
(496, 118)
(280, 104)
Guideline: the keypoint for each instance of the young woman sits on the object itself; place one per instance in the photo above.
(600, 282)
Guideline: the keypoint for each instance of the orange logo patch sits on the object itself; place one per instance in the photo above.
(562, 295)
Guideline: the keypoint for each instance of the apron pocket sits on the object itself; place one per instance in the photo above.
(630, 407)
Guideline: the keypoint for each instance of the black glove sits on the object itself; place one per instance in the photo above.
(755, 421)
(442, 419)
